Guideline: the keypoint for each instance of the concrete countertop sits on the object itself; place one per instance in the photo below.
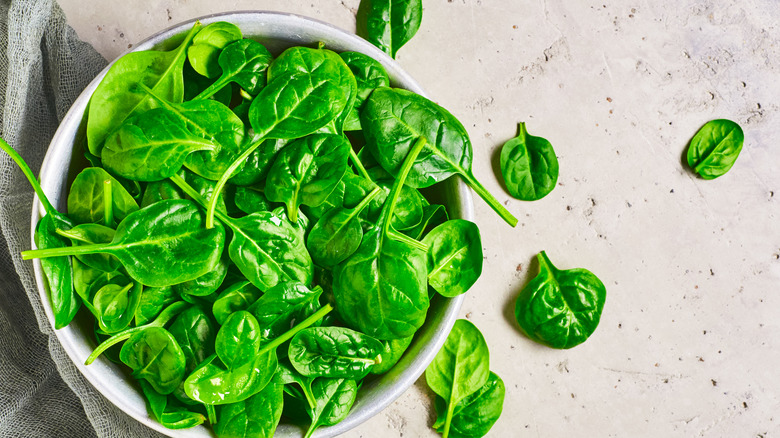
(689, 341)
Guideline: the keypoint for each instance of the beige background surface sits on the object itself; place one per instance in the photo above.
(689, 342)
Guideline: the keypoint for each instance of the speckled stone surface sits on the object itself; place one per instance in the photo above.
(689, 341)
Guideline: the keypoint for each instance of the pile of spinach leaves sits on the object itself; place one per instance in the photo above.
(249, 236)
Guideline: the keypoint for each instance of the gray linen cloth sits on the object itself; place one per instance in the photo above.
(43, 68)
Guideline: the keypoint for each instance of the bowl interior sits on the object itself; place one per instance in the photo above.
(277, 31)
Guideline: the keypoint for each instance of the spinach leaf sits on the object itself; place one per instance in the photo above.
(250, 200)
(195, 333)
(392, 351)
(153, 301)
(258, 163)
(454, 257)
(560, 308)
(460, 368)
(335, 398)
(154, 355)
(337, 234)
(256, 416)
(529, 166)
(158, 191)
(392, 23)
(160, 245)
(243, 62)
(334, 352)
(118, 96)
(282, 306)
(715, 148)
(433, 216)
(381, 289)
(476, 414)
(238, 339)
(286, 374)
(237, 296)
(167, 412)
(115, 304)
(208, 44)
(394, 119)
(95, 196)
(369, 75)
(207, 283)
(57, 270)
(307, 171)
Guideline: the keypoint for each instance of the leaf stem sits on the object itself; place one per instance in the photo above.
(396, 191)
(108, 203)
(316, 316)
(450, 410)
(166, 315)
(212, 207)
(492, 202)
(212, 413)
(359, 165)
(30, 176)
(67, 251)
(192, 193)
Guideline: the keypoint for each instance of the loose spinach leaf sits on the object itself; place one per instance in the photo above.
(258, 163)
(335, 398)
(369, 75)
(454, 257)
(115, 304)
(282, 306)
(153, 301)
(529, 166)
(460, 368)
(433, 216)
(715, 148)
(160, 245)
(476, 414)
(208, 44)
(394, 119)
(392, 23)
(207, 283)
(90, 234)
(250, 200)
(237, 296)
(158, 191)
(307, 171)
(118, 96)
(334, 352)
(195, 333)
(286, 374)
(95, 196)
(257, 416)
(560, 308)
(154, 355)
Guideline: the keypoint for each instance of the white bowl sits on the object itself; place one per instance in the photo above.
(276, 31)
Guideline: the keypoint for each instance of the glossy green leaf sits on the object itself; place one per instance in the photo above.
(715, 148)
(153, 301)
(529, 166)
(560, 308)
(237, 296)
(334, 352)
(392, 23)
(368, 73)
(250, 200)
(454, 257)
(243, 62)
(238, 339)
(256, 417)
(154, 355)
(284, 305)
(91, 234)
(167, 413)
(213, 384)
(207, 45)
(57, 270)
(335, 398)
(207, 283)
(115, 304)
(118, 95)
(392, 351)
(476, 414)
(87, 198)
(195, 333)
(258, 163)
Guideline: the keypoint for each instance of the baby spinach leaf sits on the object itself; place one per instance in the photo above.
(282, 306)
(258, 163)
(335, 398)
(394, 119)
(238, 339)
(250, 200)
(529, 166)
(160, 245)
(160, 190)
(307, 171)
(212, 384)
(168, 413)
(152, 146)
(369, 75)
(560, 308)
(715, 148)
(392, 351)
(476, 414)
(243, 62)
(454, 257)
(256, 416)
(115, 304)
(334, 352)
(237, 296)
(118, 96)
(195, 333)
(153, 301)
(207, 283)
(392, 23)
(286, 374)
(92, 191)
(381, 289)
(433, 216)
(460, 368)
(337, 234)
(154, 355)
(208, 44)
